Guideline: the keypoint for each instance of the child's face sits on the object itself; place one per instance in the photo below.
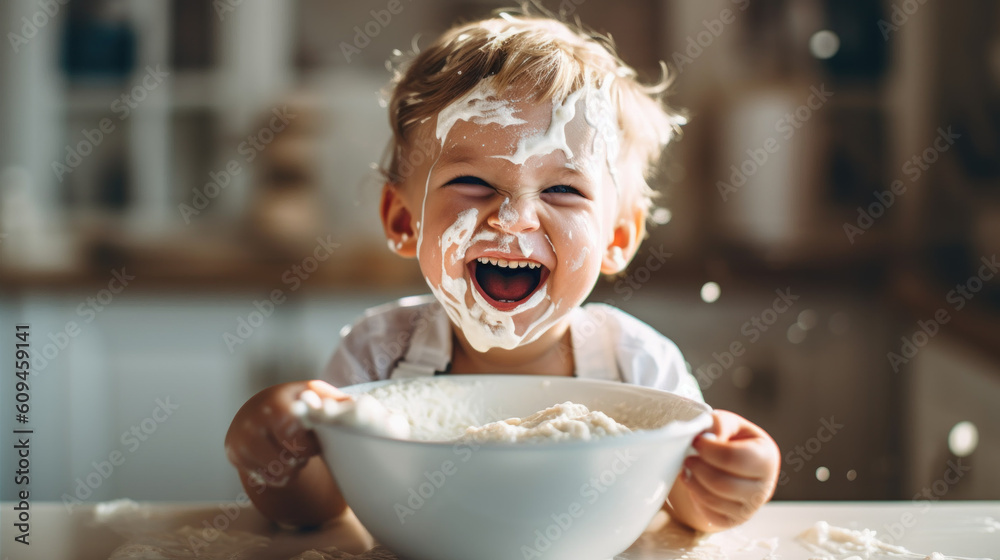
(511, 240)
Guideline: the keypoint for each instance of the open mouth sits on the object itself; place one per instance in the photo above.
(507, 284)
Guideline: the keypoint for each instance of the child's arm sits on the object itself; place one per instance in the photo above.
(732, 476)
(278, 459)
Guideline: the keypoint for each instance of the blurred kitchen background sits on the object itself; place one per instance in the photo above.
(216, 152)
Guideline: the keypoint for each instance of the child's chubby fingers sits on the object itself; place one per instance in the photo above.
(738, 447)
(265, 430)
(326, 391)
(719, 511)
(721, 483)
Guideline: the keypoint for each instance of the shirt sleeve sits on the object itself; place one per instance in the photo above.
(368, 351)
(348, 366)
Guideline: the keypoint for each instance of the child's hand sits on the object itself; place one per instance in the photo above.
(732, 476)
(277, 457)
(266, 442)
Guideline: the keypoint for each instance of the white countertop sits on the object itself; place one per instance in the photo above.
(957, 529)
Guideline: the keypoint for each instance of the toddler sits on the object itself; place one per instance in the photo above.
(516, 177)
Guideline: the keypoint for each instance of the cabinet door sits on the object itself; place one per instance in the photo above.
(953, 446)
(176, 387)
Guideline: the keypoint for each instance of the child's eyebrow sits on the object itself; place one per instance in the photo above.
(460, 154)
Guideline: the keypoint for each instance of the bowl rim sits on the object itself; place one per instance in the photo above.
(700, 423)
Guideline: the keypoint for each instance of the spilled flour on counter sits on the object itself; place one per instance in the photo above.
(332, 553)
(149, 536)
(190, 542)
(838, 543)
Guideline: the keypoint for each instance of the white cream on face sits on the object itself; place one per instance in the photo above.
(480, 106)
(484, 326)
(576, 264)
(508, 216)
(525, 244)
(554, 138)
(601, 116)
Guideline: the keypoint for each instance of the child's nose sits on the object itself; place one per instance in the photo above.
(518, 216)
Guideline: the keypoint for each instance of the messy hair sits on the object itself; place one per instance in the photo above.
(549, 59)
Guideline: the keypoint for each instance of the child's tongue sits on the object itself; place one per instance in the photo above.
(506, 284)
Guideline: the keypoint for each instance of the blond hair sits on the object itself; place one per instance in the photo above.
(546, 57)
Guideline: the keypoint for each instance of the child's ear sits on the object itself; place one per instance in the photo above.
(397, 220)
(624, 243)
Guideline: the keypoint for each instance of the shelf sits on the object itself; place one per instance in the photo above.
(210, 261)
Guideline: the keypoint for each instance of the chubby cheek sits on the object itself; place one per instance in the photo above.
(441, 223)
(579, 252)
(429, 258)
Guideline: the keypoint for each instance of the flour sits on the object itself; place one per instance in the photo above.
(838, 543)
(563, 422)
(440, 410)
(364, 412)
(435, 409)
(148, 536)
(420, 409)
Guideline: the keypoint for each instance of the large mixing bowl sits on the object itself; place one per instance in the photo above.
(504, 501)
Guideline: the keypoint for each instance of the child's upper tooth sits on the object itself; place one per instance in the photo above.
(493, 262)
(501, 262)
(523, 264)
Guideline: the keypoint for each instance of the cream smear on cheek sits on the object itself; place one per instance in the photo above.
(576, 264)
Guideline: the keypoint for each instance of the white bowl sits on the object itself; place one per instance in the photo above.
(503, 501)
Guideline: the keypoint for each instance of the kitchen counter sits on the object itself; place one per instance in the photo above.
(213, 530)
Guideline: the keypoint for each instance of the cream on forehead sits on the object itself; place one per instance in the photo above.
(554, 138)
(480, 105)
(600, 114)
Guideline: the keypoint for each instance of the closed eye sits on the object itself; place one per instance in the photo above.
(469, 180)
(561, 189)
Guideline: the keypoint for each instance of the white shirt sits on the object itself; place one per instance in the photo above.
(412, 337)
